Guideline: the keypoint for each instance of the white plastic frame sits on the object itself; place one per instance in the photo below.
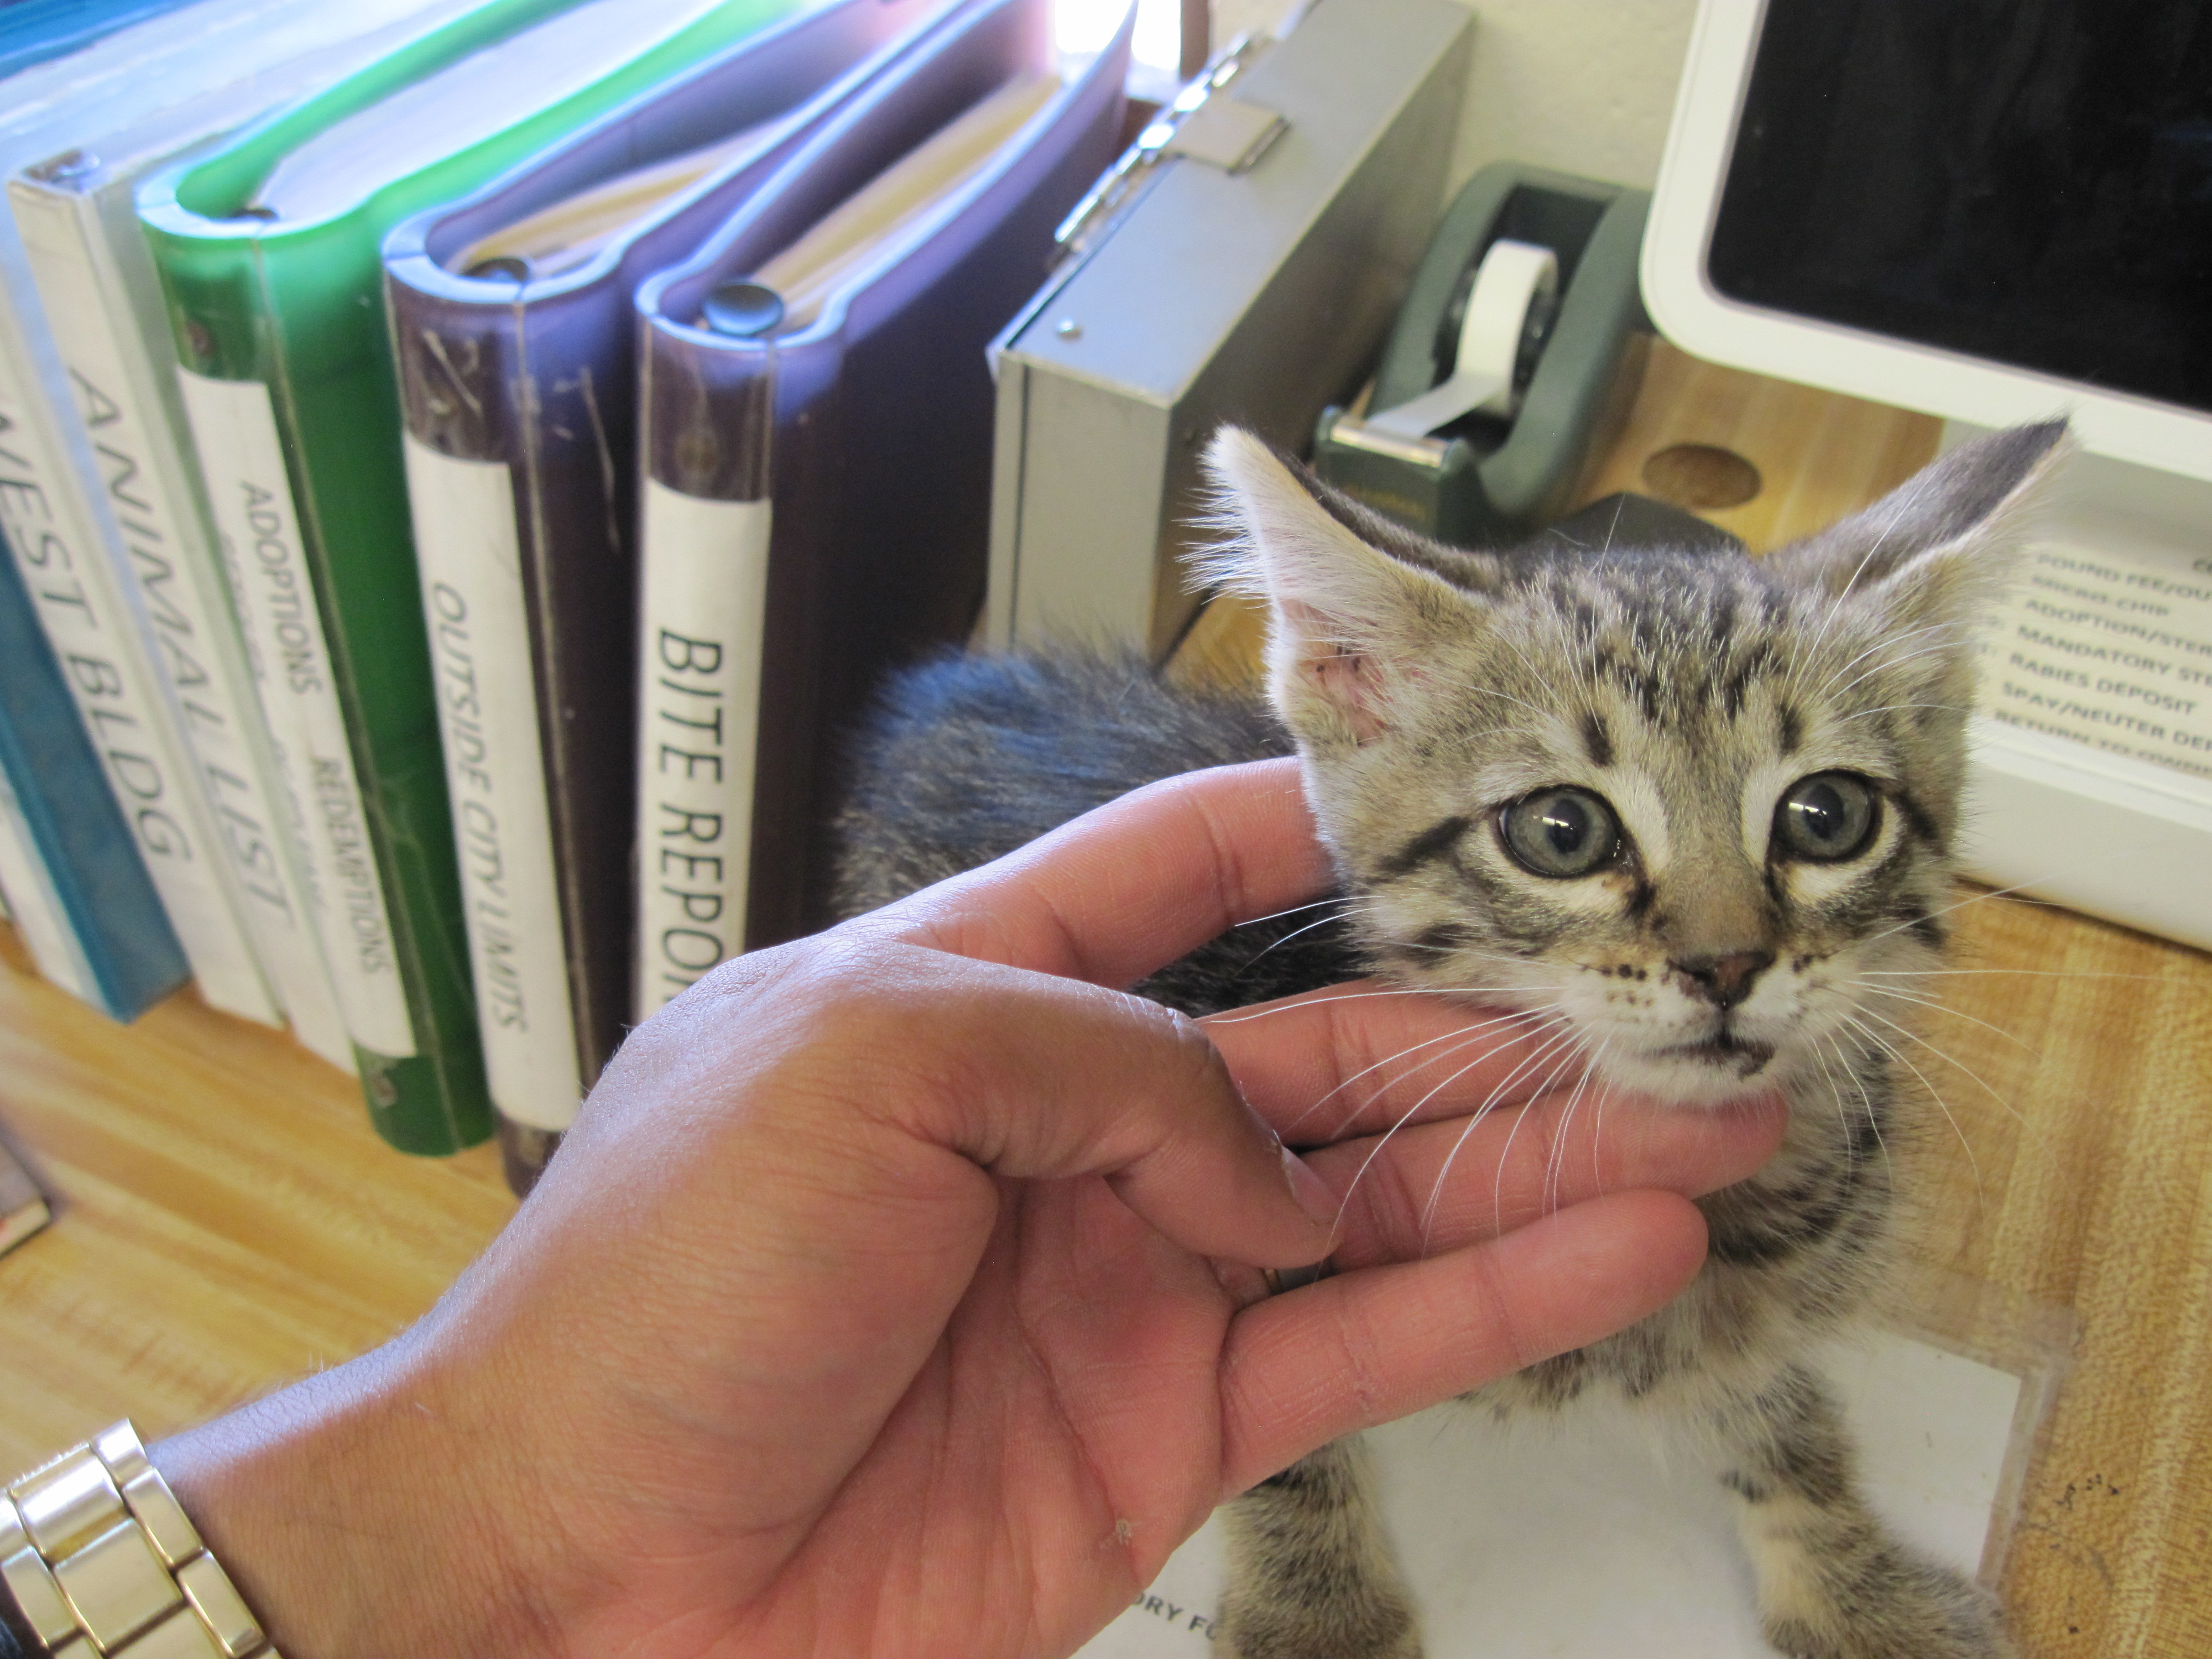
(1693, 314)
(2105, 833)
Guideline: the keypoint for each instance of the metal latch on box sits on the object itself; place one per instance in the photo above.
(1206, 123)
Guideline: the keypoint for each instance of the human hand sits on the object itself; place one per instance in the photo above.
(896, 1292)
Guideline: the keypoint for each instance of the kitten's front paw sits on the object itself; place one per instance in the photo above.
(1364, 1625)
(1899, 1607)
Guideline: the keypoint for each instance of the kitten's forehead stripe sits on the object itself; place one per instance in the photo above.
(1597, 741)
(1793, 729)
(1759, 665)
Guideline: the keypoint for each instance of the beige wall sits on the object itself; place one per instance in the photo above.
(1584, 85)
(1587, 86)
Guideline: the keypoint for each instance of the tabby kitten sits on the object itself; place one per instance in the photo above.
(1691, 810)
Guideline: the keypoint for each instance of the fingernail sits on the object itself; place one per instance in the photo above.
(1311, 1192)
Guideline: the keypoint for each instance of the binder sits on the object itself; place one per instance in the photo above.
(288, 386)
(79, 893)
(53, 490)
(518, 393)
(815, 501)
(36, 31)
(101, 302)
(1243, 263)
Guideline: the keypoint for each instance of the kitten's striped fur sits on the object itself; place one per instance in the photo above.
(1428, 690)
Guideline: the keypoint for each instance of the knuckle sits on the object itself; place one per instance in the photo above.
(1180, 1036)
(1399, 1214)
(1494, 1312)
(1363, 1373)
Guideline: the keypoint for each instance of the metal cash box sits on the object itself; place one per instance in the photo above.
(1243, 263)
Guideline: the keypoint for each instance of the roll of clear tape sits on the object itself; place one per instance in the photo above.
(1512, 278)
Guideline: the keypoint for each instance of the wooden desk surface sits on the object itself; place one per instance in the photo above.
(228, 1220)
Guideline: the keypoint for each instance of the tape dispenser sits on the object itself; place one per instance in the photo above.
(1513, 358)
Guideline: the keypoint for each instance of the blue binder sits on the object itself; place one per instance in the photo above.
(128, 958)
(33, 31)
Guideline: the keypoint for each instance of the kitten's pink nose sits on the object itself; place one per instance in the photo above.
(1723, 980)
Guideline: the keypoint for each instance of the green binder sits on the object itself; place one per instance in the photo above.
(281, 331)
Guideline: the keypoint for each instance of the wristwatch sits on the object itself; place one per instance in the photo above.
(100, 1558)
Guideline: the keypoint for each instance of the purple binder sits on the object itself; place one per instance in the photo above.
(877, 456)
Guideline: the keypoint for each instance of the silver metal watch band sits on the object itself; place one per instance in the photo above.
(100, 1558)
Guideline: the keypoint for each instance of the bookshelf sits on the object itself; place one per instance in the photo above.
(228, 1220)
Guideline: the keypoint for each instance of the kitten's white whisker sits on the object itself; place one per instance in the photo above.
(1836, 1095)
(1957, 1065)
(1541, 713)
(1277, 916)
(1562, 1034)
(1294, 932)
(1897, 1054)
(1833, 692)
(1890, 642)
(1460, 1038)
(1597, 1128)
(1506, 1153)
(1942, 1007)
(1304, 1003)
(1556, 1165)
(1375, 1151)
(1866, 1101)
(2036, 973)
(1894, 708)
(1836, 604)
(1587, 674)
(1973, 898)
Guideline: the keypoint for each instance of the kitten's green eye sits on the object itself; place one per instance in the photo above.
(1827, 817)
(1560, 832)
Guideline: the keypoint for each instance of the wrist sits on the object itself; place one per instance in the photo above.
(353, 1513)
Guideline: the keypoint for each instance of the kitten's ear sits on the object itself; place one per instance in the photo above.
(1347, 625)
(1937, 550)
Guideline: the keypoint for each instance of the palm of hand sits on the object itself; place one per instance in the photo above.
(1063, 1435)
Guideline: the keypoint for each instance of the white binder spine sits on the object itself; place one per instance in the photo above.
(469, 558)
(97, 636)
(702, 613)
(161, 541)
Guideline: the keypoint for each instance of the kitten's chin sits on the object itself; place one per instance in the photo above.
(1696, 1074)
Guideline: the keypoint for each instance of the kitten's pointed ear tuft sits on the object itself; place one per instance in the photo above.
(1942, 546)
(1346, 623)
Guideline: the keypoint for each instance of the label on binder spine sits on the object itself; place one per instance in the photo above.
(250, 492)
(96, 639)
(162, 548)
(470, 562)
(703, 610)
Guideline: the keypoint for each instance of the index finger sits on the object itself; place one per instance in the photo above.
(1134, 884)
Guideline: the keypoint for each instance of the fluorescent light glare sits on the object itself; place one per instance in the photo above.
(1082, 27)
